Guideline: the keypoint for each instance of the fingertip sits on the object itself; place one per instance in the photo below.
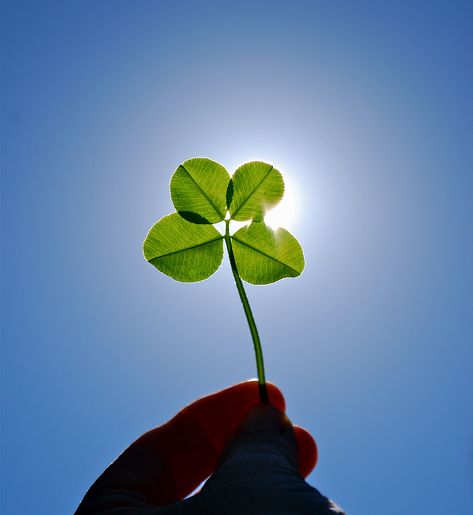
(306, 451)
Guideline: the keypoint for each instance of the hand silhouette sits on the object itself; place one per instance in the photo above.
(255, 457)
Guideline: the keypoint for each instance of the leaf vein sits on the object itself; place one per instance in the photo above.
(220, 237)
(266, 255)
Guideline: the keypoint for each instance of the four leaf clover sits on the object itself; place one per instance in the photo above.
(187, 247)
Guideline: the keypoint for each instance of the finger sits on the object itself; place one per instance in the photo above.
(307, 453)
(259, 418)
(259, 471)
(265, 419)
(169, 462)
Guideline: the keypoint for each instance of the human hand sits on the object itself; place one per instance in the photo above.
(256, 459)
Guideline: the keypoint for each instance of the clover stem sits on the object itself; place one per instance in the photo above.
(249, 317)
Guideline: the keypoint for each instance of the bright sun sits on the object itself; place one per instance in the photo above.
(285, 213)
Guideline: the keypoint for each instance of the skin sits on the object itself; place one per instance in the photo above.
(255, 457)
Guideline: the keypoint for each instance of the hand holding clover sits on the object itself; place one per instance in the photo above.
(256, 458)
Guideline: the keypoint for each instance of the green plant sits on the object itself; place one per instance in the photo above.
(187, 247)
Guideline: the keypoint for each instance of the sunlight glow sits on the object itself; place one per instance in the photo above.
(285, 213)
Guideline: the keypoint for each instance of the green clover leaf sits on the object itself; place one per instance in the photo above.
(264, 255)
(185, 251)
(187, 247)
(257, 187)
(198, 190)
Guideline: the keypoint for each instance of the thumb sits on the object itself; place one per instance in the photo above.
(259, 472)
(265, 441)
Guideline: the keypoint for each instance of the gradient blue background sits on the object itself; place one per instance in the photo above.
(368, 106)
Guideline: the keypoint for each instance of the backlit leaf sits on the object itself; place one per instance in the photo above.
(185, 251)
(199, 186)
(257, 187)
(264, 255)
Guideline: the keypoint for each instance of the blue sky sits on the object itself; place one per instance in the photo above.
(367, 106)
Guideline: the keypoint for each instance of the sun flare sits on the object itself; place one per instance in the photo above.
(285, 213)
